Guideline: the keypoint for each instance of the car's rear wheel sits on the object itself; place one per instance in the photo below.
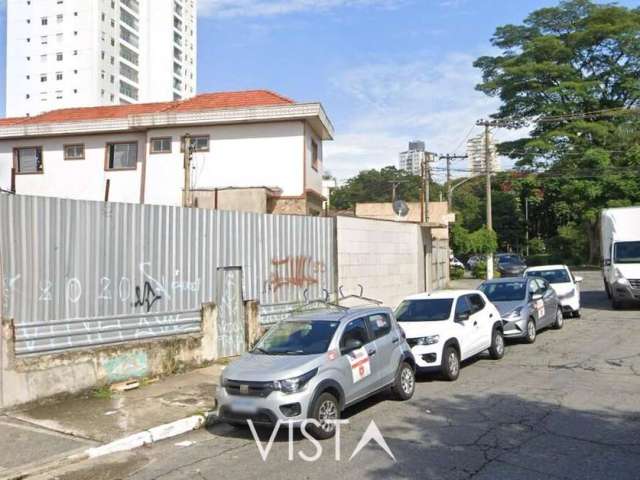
(405, 383)
(559, 323)
(497, 345)
(531, 331)
(325, 409)
(450, 363)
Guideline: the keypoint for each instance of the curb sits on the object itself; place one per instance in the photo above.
(131, 442)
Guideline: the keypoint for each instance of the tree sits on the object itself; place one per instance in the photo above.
(376, 186)
(559, 66)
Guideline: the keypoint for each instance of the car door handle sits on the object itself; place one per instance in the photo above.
(372, 352)
(395, 340)
(491, 315)
(475, 324)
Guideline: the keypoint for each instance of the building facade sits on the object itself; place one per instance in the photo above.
(477, 153)
(256, 142)
(76, 53)
(411, 160)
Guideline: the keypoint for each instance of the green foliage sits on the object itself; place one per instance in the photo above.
(537, 246)
(456, 273)
(480, 271)
(376, 186)
(570, 245)
(484, 241)
(567, 60)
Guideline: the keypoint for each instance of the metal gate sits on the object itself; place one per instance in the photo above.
(231, 334)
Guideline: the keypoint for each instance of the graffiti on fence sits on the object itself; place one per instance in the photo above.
(297, 271)
(123, 367)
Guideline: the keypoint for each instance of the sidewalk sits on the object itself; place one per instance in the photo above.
(46, 432)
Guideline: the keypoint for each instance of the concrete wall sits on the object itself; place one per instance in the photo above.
(386, 258)
(28, 379)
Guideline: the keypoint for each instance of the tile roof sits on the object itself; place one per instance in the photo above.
(205, 101)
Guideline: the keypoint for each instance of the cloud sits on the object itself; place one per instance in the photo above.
(396, 102)
(263, 8)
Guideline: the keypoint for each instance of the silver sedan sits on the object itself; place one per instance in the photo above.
(526, 305)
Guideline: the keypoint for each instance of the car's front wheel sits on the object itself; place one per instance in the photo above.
(325, 409)
(559, 323)
(405, 383)
(531, 331)
(450, 363)
(497, 345)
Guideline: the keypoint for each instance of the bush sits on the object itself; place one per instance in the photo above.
(480, 271)
(570, 246)
(537, 246)
(456, 273)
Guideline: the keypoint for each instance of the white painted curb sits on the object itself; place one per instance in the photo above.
(150, 436)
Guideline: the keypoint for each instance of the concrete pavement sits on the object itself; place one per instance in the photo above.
(564, 408)
(49, 431)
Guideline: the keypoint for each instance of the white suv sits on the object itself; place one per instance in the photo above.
(450, 326)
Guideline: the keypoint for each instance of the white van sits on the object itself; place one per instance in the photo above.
(620, 243)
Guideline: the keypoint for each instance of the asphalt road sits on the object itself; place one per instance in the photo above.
(566, 407)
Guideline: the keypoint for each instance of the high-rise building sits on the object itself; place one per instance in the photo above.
(76, 53)
(477, 154)
(411, 160)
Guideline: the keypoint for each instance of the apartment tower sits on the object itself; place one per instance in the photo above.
(77, 53)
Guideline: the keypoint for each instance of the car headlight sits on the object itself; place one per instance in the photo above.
(567, 295)
(296, 384)
(620, 278)
(514, 315)
(430, 340)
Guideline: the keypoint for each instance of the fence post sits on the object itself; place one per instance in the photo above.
(252, 327)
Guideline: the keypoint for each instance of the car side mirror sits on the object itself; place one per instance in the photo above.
(462, 317)
(607, 262)
(536, 296)
(579, 279)
(351, 345)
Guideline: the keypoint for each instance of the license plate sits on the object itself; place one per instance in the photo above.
(243, 405)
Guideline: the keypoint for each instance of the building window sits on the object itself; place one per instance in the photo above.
(59, 56)
(128, 90)
(43, 77)
(44, 40)
(129, 55)
(122, 156)
(161, 145)
(59, 76)
(27, 160)
(44, 20)
(59, 18)
(315, 157)
(74, 152)
(199, 143)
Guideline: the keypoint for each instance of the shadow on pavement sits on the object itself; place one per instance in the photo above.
(508, 437)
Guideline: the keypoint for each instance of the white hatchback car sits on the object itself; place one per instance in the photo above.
(565, 284)
(447, 327)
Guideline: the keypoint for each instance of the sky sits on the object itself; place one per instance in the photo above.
(386, 71)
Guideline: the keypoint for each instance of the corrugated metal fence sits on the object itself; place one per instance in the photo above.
(78, 273)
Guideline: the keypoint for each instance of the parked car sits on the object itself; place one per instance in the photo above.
(510, 265)
(450, 326)
(527, 305)
(455, 263)
(620, 244)
(474, 260)
(565, 284)
(313, 366)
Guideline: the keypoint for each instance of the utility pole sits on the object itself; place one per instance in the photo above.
(187, 151)
(487, 170)
(526, 217)
(449, 158)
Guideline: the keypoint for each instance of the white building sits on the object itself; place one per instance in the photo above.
(477, 154)
(72, 53)
(256, 141)
(411, 160)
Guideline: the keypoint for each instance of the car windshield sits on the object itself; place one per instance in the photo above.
(505, 291)
(552, 276)
(428, 310)
(297, 338)
(627, 252)
(509, 259)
